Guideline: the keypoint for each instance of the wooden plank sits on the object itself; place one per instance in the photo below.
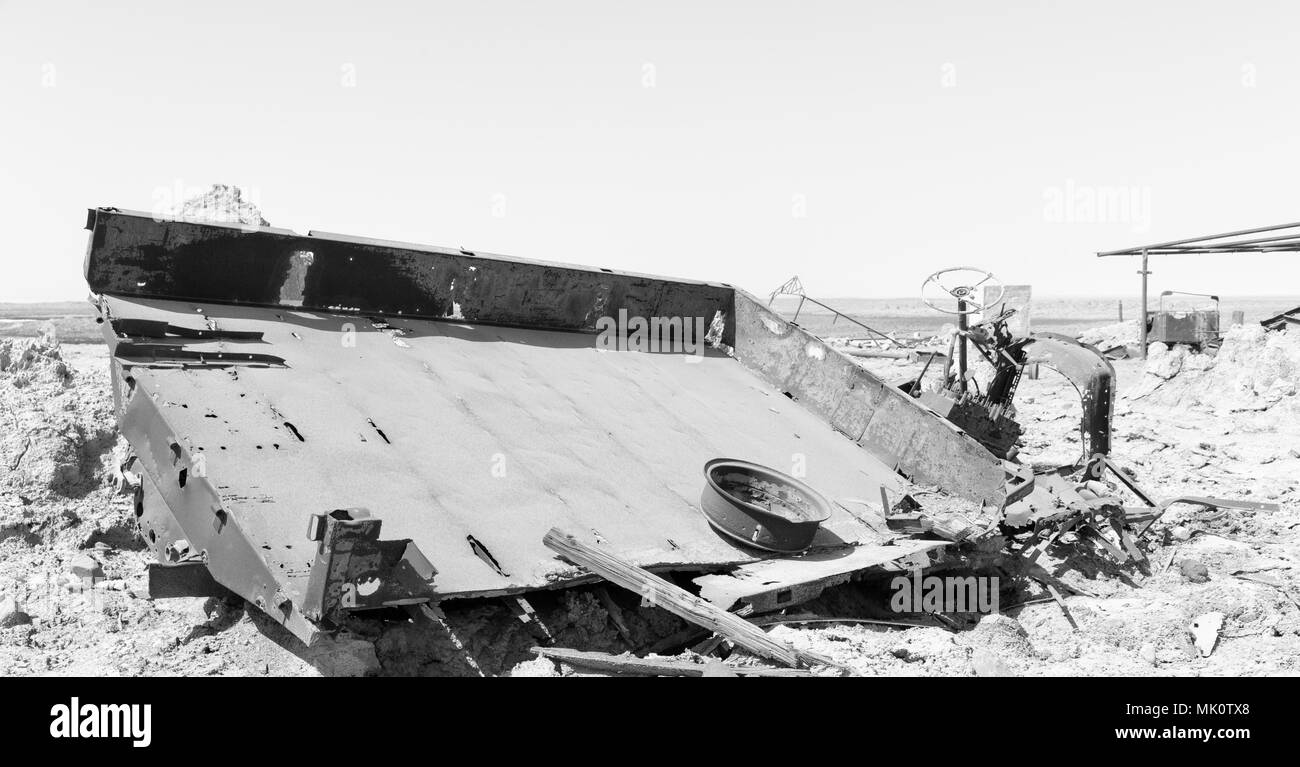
(634, 666)
(678, 601)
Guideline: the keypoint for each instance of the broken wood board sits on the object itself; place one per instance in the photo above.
(674, 599)
(774, 584)
(631, 665)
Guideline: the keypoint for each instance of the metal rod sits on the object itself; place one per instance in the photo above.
(947, 362)
(962, 325)
(1289, 246)
(916, 387)
(882, 335)
(1142, 327)
(1256, 241)
(1142, 249)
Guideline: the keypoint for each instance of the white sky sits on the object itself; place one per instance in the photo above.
(672, 138)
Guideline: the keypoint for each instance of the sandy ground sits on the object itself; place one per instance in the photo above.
(1228, 431)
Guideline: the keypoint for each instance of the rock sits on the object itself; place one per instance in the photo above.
(10, 615)
(1205, 632)
(1148, 653)
(85, 567)
(537, 667)
(223, 204)
(1001, 635)
(343, 656)
(987, 663)
(1194, 571)
(1181, 533)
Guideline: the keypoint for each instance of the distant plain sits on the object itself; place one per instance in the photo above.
(74, 321)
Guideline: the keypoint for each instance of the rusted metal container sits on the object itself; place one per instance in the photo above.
(761, 507)
(1193, 326)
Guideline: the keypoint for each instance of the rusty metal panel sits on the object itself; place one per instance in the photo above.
(860, 401)
(135, 254)
(451, 431)
(901, 432)
(1190, 327)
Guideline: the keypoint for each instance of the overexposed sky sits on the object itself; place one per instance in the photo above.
(860, 145)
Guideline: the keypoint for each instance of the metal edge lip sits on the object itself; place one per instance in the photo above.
(820, 500)
(725, 533)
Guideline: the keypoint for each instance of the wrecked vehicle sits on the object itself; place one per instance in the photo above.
(330, 426)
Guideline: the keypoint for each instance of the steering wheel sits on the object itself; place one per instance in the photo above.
(936, 288)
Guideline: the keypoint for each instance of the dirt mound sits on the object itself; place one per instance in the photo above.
(24, 360)
(1110, 336)
(59, 436)
(1255, 369)
(222, 204)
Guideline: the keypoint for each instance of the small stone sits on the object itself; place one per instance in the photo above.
(85, 567)
(1194, 571)
(987, 663)
(10, 615)
(536, 667)
(1148, 653)
(1181, 533)
(1205, 632)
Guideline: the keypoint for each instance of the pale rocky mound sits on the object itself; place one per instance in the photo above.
(59, 434)
(33, 359)
(222, 204)
(1109, 336)
(1255, 369)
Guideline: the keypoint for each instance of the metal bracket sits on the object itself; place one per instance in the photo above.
(354, 570)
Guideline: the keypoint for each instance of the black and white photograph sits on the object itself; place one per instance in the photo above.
(561, 340)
